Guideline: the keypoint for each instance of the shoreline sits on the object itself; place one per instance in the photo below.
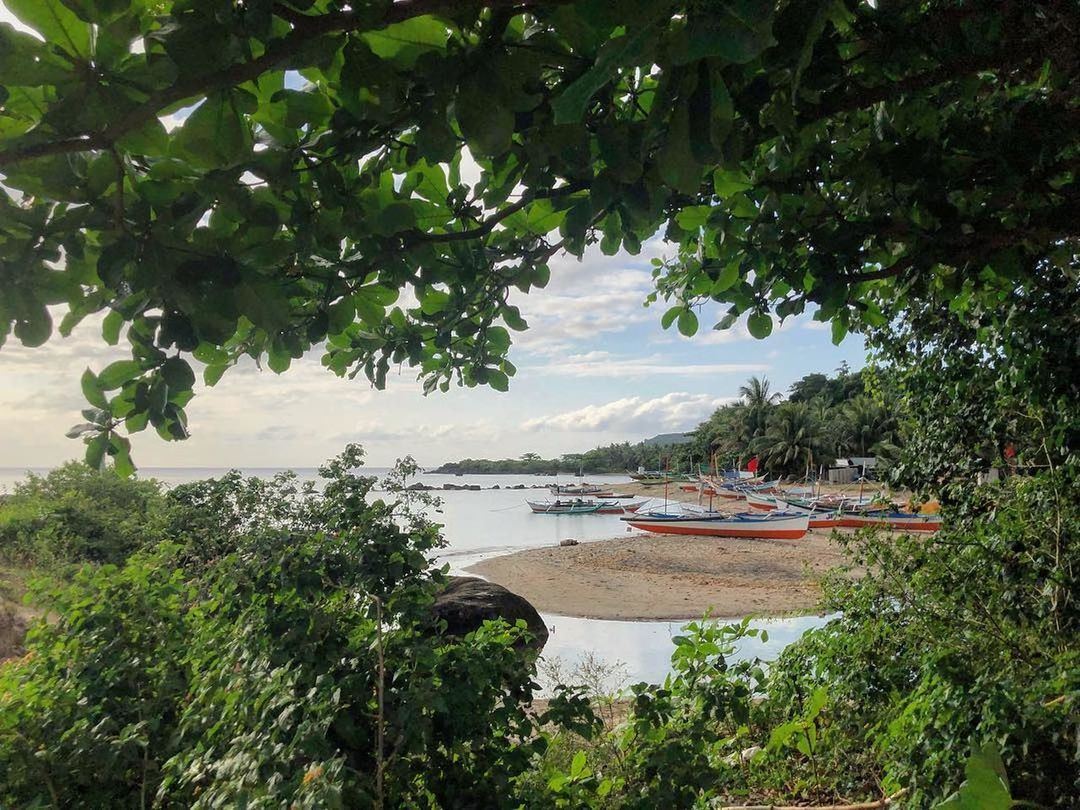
(666, 577)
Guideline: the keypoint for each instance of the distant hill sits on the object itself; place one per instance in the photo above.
(668, 439)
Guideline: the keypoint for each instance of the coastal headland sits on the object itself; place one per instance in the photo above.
(657, 577)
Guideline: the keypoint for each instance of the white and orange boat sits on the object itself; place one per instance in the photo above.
(900, 521)
(763, 503)
(763, 526)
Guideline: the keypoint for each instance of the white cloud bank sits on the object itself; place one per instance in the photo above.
(672, 412)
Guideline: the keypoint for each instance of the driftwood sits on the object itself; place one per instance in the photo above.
(886, 802)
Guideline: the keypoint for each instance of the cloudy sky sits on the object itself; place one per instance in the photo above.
(594, 367)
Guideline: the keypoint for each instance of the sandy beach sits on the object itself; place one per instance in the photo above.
(666, 577)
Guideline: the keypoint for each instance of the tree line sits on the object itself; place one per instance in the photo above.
(823, 418)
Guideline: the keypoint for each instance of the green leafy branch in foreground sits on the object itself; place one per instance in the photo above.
(226, 180)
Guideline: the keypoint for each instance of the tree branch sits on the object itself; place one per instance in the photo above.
(489, 224)
(305, 28)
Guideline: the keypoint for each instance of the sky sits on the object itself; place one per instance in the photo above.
(595, 367)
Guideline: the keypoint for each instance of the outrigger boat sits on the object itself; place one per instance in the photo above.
(901, 521)
(576, 489)
(883, 517)
(565, 507)
(582, 507)
(770, 527)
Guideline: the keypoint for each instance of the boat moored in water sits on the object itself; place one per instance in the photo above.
(578, 506)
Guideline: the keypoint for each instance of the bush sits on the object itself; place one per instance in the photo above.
(76, 514)
(288, 668)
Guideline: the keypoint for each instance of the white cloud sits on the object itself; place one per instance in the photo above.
(601, 364)
(671, 412)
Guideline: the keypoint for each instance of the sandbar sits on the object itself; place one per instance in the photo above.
(656, 577)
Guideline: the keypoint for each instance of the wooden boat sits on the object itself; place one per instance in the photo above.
(620, 508)
(577, 506)
(771, 527)
(574, 507)
(763, 503)
(575, 489)
(821, 519)
(901, 521)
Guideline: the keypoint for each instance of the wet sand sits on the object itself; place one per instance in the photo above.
(652, 577)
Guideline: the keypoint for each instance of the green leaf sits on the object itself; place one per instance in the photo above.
(735, 31)
(669, 317)
(512, 318)
(55, 22)
(151, 139)
(304, 107)
(26, 61)
(760, 325)
(116, 374)
(675, 160)
(404, 42)
(620, 53)
(214, 373)
(498, 380)
(81, 429)
(394, 218)
(216, 134)
(34, 326)
(434, 302)
(692, 218)
(92, 390)
(839, 329)
(177, 374)
(688, 323)
(985, 787)
(111, 326)
(95, 451)
(728, 321)
(486, 123)
(727, 277)
(577, 765)
(729, 181)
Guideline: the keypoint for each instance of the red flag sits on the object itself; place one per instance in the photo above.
(752, 466)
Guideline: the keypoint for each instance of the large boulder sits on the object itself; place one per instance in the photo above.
(467, 602)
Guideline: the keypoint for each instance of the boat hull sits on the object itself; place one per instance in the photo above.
(785, 528)
(763, 503)
(905, 523)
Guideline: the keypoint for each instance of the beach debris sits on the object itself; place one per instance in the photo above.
(569, 541)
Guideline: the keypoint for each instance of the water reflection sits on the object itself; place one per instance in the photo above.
(645, 647)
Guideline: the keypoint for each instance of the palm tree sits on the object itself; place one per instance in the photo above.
(756, 393)
(866, 424)
(792, 439)
(759, 400)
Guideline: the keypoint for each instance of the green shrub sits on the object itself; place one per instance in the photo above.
(288, 668)
(76, 514)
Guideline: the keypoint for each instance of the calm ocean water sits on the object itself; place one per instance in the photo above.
(482, 524)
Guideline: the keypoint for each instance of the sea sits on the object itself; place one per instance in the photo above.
(485, 523)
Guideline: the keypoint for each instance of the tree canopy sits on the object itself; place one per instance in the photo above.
(263, 177)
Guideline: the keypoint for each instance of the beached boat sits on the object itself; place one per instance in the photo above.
(901, 521)
(763, 503)
(771, 527)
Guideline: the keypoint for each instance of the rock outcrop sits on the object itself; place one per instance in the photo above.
(467, 602)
